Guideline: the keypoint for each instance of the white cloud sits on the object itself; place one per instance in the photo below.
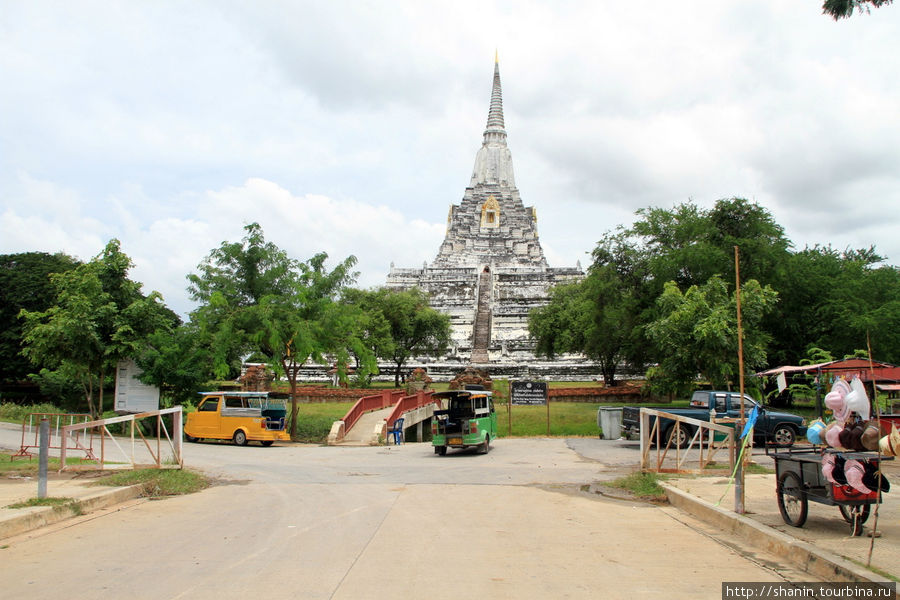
(347, 128)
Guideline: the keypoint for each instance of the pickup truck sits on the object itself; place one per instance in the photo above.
(778, 428)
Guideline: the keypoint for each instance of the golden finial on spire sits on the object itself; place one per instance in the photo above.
(496, 56)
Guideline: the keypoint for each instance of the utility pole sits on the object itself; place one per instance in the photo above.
(739, 475)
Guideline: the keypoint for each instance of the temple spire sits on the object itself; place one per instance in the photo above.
(495, 127)
(493, 162)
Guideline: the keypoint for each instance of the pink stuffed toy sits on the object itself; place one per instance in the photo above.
(836, 400)
(833, 434)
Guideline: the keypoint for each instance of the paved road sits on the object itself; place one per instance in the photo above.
(317, 522)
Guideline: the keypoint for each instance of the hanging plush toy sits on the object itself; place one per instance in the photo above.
(814, 432)
(836, 400)
(857, 400)
(833, 434)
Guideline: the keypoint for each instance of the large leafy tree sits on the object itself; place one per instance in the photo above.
(689, 245)
(99, 317)
(416, 329)
(24, 284)
(255, 298)
(696, 333)
(596, 317)
(833, 299)
(372, 330)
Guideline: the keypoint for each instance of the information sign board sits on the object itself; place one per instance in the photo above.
(530, 393)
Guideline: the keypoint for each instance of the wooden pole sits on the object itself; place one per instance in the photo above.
(739, 477)
(548, 414)
(874, 404)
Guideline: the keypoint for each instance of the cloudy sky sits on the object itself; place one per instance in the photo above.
(351, 127)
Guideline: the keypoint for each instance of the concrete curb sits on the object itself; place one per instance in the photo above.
(41, 516)
(806, 557)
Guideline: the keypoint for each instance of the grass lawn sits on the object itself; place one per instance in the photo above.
(29, 468)
(315, 419)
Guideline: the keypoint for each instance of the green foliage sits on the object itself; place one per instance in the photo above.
(255, 298)
(402, 325)
(99, 317)
(843, 9)
(24, 285)
(156, 483)
(697, 333)
(17, 413)
(48, 501)
(642, 485)
(176, 360)
(837, 300)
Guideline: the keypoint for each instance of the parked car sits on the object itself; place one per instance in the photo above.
(772, 427)
(468, 421)
(238, 416)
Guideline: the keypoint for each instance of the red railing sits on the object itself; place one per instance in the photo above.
(407, 403)
(369, 403)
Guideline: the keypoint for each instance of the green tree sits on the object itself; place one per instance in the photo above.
(696, 333)
(833, 299)
(255, 298)
(176, 360)
(416, 329)
(372, 329)
(24, 284)
(596, 317)
(99, 317)
(842, 9)
(305, 322)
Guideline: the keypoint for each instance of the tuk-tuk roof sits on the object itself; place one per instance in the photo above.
(461, 393)
(226, 393)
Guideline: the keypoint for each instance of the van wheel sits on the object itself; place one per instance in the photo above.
(266, 443)
(240, 438)
(190, 438)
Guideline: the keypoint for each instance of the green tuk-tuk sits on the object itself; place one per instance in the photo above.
(468, 421)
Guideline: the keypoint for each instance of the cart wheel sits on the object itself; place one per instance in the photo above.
(849, 511)
(792, 500)
(856, 526)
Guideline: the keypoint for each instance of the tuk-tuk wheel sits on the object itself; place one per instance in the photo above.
(440, 450)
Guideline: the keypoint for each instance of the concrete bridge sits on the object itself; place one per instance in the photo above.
(367, 422)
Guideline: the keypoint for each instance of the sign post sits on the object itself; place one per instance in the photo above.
(530, 393)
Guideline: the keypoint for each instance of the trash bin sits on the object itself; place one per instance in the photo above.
(609, 419)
